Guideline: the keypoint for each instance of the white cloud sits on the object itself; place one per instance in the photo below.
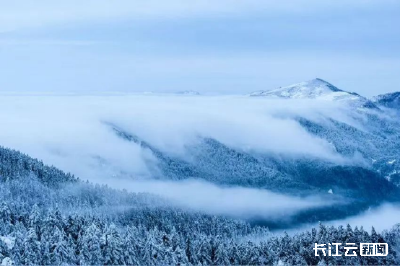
(29, 13)
(45, 42)
(381, 218)
(237, 202)
(68, 131)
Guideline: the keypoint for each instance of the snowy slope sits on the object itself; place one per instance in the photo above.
(390, 100)
(316, 89)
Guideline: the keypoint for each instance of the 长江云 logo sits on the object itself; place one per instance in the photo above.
(366, 249)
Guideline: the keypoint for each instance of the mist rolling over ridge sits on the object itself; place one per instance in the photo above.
(199, 132)
(297, 146)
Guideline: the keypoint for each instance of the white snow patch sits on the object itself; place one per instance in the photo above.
(7, 262)
(9, 241)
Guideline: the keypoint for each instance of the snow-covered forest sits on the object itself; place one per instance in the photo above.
(49, 218)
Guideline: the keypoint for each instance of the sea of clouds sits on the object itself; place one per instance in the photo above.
(72, 132)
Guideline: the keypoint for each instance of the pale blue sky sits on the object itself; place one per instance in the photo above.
(209, 46)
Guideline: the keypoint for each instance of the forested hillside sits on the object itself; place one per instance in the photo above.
(64, 220)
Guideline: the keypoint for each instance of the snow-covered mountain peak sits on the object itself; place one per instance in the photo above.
(316, 89)
(304, 90)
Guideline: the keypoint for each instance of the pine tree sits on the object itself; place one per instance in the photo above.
(89, 242)
(130, 247)
(4, 252)
(5, 219)
(35, 220)
(31, 251)
(61, 252)
(111, 246)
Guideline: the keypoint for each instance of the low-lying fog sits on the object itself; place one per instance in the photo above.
(70, 133)
(381, 218)
(236, 202)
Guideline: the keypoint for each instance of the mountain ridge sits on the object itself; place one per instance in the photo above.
(316, 89)
(390, 100)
